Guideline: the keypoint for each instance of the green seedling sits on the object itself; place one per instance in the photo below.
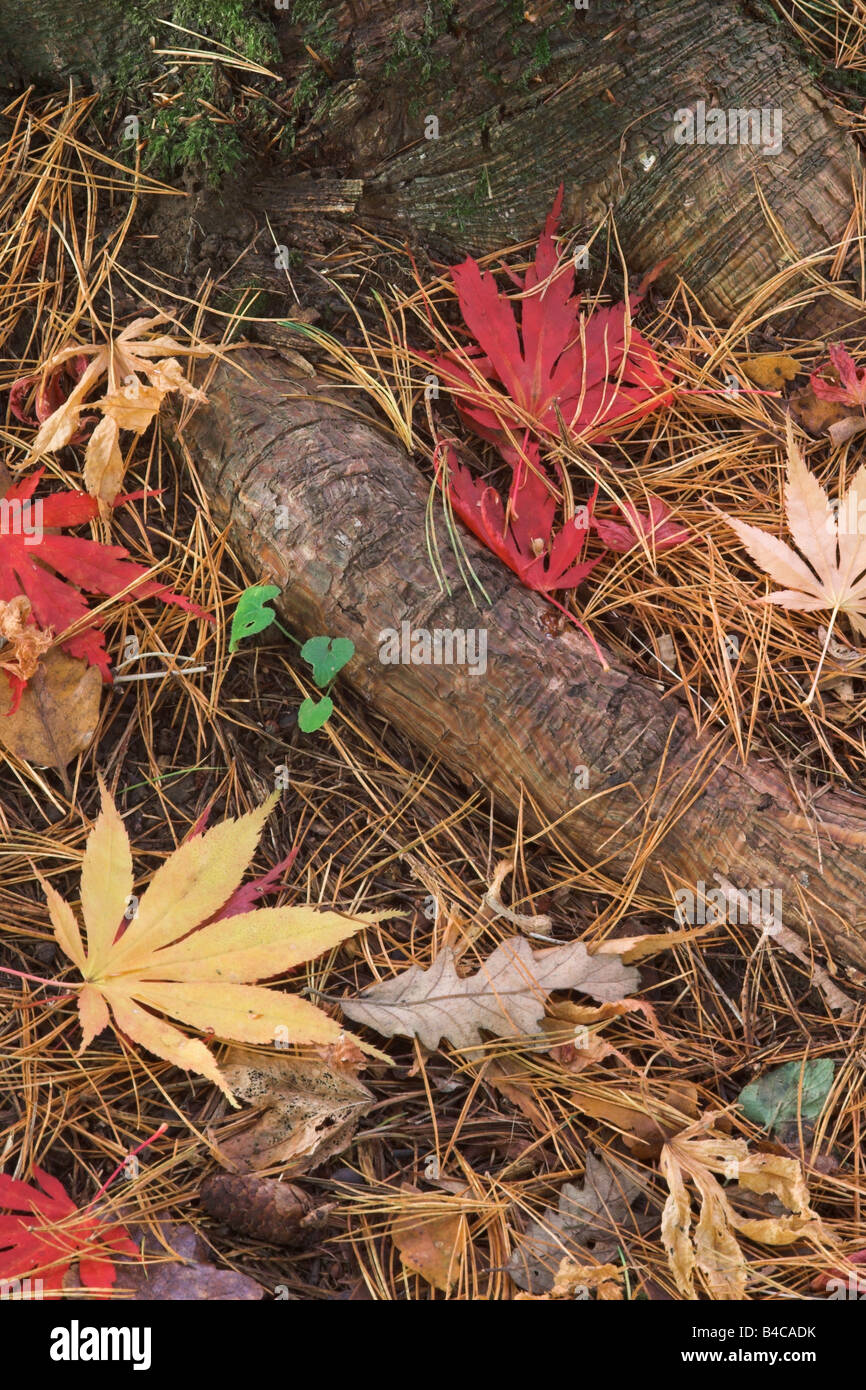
(327, 656)
(252, 614)
(314, 713)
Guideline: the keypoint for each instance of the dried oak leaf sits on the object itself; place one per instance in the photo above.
(49, 1233)
(588, 1222)
(309, 1110)
(696, 1154)
(506, 995)
(162, 965)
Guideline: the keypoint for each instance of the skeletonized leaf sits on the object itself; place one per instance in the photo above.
(311, 1109)
(506, 996)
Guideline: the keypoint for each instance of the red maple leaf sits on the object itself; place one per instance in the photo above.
(524, 539)
(50, 396)
(46, 1246)
(48, 567)
(841, 1276)
(850, 388)
(655, 528)
(592, 369)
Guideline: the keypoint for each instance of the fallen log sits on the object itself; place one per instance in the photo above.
(333, 511)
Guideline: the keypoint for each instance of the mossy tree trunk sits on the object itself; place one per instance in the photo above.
(583, 97)
(91, 41)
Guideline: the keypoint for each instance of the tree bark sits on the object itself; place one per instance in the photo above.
(334, 513)
(88, 40)
(596, 114)
(584, 97)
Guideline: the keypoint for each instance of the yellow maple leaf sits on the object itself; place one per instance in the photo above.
(139, 373)
(162, 965)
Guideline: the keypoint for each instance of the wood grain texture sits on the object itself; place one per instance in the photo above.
(331, 510)
(525, 97)
(587, 98)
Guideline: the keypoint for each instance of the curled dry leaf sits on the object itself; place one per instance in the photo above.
(696, 1155)
(160, 964)
(577, 1281)
(632, 948)
(56, 715)
(140, 371)
(506, 995)
(309, 1109)
(605, 1280)
(22, 642)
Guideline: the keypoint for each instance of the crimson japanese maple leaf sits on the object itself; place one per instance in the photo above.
(50, 1232)
(656, 529)
(850, 389)
(593, 370)
(50, 396)
(524, 539)
(47, 567)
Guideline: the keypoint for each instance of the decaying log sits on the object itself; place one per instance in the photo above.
(333, 511)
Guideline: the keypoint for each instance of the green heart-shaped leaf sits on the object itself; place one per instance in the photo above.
(314, 713)
(251, 614)
(788, 1092)
(327, 656)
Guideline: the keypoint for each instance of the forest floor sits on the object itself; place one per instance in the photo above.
(462, 1172)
